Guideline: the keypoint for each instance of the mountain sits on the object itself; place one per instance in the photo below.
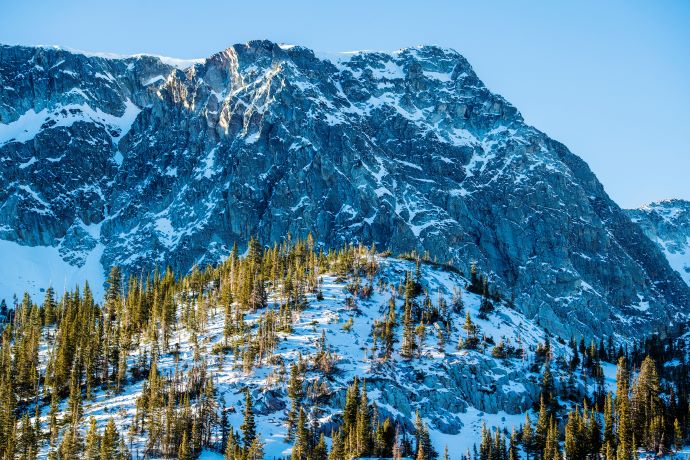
(667, 223)
(141, 161)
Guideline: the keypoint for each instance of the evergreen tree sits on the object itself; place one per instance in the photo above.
(551, 447)
(93, 441)
(471, 340)
(423, 440)
(301, 448)
(27, 444)
(513, 450)
(49, 307)
(249, 426)
(407, 347)
(295, 391)
(625, 433)
(529, 443)
(542, 428)
(232, 449)
(71, 445)
(256, 450)
(337, 446)
(646, 407)
(320, 450)
(622, 382)
(677, 435)
(548, 388)
(608, 420)
(185, 451)
(109, 441)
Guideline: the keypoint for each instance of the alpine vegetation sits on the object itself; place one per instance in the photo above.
(293, 351)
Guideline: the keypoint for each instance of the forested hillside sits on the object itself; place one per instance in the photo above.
(290, 351)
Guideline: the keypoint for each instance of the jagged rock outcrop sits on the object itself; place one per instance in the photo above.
(154, 165)
(667, 223)
(450, 387)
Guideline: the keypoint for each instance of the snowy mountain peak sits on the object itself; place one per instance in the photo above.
(407, 149)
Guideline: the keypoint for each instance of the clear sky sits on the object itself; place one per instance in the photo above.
(610, 79)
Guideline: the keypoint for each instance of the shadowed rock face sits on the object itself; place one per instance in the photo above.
(408, 150)
(667, 223)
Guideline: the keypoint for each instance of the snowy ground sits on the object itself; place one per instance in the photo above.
(329, 315)
(32, 268)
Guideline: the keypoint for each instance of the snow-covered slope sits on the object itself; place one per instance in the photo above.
(32, 268)
(456, 391)
(667, 223)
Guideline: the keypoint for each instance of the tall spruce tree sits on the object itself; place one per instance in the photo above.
(249, 426)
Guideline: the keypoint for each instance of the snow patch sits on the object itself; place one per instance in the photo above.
(31, 123)
(33, 268)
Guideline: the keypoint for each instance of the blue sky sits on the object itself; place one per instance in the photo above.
(611, 80)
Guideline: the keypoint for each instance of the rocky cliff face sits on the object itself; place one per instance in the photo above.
(150, 164)
(667, 223)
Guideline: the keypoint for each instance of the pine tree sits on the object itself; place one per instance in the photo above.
(471, 340)
(384, 436)
(195, 438)
(397, 448)
(27, 444)
(423, 440)
(352, 401)
(528, 438)
(93, 441)
(513, 450)
(646, 407)
(300, 450)
(572, 443)
(184, 452)
(551, 447)
(71, 445)
(622, 382)
(256, 450)
(542, 427)
(441, 341)
(295, 392)
(49, 306)
(363, 425)
(421, 455)
(582, 434)
(609, 451)
(625, 434)
(52, 418)
(608, 420)
(231, 447)
(109, 441)
(677, 435)
(249, 426)
(548, 388)
(420, 332)
(407, 346)
(593, 433)
(389, 329)
(123, 452)
(337, 446)
(75, 403)
(320, 450)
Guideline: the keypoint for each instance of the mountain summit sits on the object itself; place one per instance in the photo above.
(133, 161)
